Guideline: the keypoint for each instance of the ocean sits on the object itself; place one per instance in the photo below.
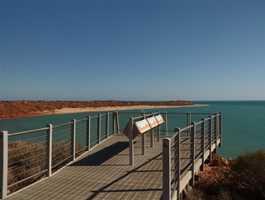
(243, 124)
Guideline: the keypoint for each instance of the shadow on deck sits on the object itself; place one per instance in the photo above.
(106, 188)
(104, 173)
(99, 157)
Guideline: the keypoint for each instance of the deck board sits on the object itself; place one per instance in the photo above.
(104, 175)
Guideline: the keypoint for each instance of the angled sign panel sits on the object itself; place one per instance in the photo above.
(152, 122)
(159, 119)
(142, 126)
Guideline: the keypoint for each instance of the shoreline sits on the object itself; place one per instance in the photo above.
(118, 108)
(69, 110)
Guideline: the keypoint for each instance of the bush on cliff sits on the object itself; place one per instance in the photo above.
(240, 179)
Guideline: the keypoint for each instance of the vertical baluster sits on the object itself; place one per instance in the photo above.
(158, 133)
(74, 139)
(108, 118)
(216, 130)
(99, 127)
(50, 133)
(210, 137)
(114, 122)
(118, 122)
(188, 122)
(203, 142)
(193, 131)
(189, 118)
(131, 145)
(88, 132)
(143, 144)
(220, 128)
(178, 167)
(151, 137)
(166, 116)
(4, 163)
(166, 169)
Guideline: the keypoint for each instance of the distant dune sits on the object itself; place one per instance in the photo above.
(14, 109)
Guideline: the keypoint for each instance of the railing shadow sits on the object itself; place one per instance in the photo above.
(105, 189)
(99, 157)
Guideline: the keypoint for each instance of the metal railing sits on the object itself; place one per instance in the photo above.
(152, 132)
(28, 156)
(185, 152)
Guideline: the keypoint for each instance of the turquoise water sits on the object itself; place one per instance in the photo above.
(243, 123)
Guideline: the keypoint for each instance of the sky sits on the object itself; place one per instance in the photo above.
(132, 50)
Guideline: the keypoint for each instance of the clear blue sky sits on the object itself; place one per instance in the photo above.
(137, 49)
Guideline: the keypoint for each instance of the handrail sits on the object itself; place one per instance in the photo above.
(184, 113)
(54, 126)
(49, 153)
(144, 115)
(28, 131)
(130, 125)
(208, 133)
(50, 150)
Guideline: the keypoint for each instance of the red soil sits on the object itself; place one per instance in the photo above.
(14, 109)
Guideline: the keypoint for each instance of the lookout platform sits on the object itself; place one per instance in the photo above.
(167, 166)
(104, 173)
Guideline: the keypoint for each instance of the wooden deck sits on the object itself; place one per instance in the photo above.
(104, 173)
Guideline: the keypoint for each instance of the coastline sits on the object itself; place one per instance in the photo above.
(69, 110)
(118, 108)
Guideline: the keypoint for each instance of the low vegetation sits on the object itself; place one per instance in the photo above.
(28, 162)
(240, 179)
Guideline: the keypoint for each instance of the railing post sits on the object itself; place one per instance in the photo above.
(143, 144)
(50, 132)
(216, 130)
(158, 133)
(99, 127)
(74, 138)
(189, 119)
(4, 163)
(210, 137)
(88, 126)
(107, 124)
(203, 142)
(143, 140)
(152, 137)
(131, 145)
(220, 128)
(166, 124)
(118, 122)
(114, 122)
(193, 131)
(178, 164)
(166, 169)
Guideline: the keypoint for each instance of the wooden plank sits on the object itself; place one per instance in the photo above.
(99, 175)
(111, 179)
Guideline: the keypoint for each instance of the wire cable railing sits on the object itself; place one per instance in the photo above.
(185, 152)
(28, 156)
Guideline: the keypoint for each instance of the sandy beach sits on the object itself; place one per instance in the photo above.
(112, 108)
(15, 109)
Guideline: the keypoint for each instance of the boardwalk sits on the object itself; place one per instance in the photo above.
(104, 173)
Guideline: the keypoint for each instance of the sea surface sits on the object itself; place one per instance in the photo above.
(243, 123)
